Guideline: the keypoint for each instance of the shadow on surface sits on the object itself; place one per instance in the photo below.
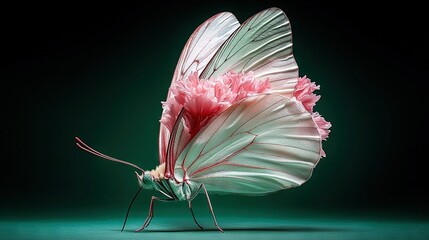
(247, 229)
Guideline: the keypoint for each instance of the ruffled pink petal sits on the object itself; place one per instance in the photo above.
(203, 99)
(323, 127)
(304, 92)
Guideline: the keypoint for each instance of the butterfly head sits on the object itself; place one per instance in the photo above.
(145, 180)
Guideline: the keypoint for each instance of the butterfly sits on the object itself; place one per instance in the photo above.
(238, 119)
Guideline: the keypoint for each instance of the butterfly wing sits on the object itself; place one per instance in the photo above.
(199, 49)
(177, 142)
(259, 145)
(204, 43)
(262, 44)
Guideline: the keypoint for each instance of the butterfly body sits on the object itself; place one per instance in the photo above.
(169, 187)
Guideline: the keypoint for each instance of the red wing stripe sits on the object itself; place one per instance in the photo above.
(221, 125)
(183, 162)
(169, 168)
(251, 118)
(223, 161)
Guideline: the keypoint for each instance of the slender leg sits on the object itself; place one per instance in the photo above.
(150, 215)
(193, 216)
(129, 207)
(211, 208)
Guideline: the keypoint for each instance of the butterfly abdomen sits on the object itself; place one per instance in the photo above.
(176, 191)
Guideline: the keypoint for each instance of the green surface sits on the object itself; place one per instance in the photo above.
(235, 228)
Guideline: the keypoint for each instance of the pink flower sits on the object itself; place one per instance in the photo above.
(304, 93)
(203, 99)
(323, 125)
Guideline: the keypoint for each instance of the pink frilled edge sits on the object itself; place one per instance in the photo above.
(304, 93)
(204, 99)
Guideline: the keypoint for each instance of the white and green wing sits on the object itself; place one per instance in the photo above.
(262, 44)
(259, 145)
(200, 48)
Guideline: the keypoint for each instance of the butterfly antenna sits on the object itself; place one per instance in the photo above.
(87, 148)
(129, 207)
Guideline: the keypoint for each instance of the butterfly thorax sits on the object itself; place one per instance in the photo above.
(173, 190)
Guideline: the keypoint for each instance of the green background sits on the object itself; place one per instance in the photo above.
(100, 72)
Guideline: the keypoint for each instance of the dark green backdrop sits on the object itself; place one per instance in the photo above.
(100, 72)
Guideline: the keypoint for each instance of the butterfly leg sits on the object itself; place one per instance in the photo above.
(193, 216)
(129, 208)
(210, 206)
(150, 215)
